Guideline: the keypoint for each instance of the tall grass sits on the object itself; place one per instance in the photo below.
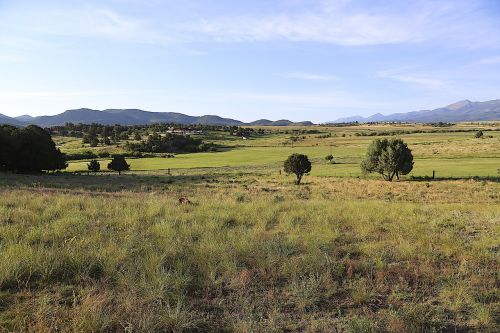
(261, 257)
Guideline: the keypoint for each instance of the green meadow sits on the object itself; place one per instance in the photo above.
(252, 252)
(450, 155)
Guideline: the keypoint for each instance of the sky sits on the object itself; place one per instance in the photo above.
(294, 59)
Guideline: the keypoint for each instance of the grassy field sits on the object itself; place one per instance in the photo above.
(450, 155)
(252, 252)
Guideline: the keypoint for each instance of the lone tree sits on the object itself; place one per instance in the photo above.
(298, 164)
(479, 134)
(329, 158)
(118, 164)
(389, 158)
(94, 166)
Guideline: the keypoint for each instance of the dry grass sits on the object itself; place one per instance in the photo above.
(251, 254)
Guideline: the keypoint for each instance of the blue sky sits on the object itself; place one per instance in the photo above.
(295, 59)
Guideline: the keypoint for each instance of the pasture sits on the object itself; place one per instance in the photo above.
(252, 252)
(449, 154)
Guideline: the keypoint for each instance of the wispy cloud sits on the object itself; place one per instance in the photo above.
(310, 76)
(50, 94)
(346, 22)
(85, 21)
(358, 29)
(350, 23)
(417, 79)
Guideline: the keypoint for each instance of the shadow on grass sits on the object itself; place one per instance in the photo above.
(136, 181)
(477, 178)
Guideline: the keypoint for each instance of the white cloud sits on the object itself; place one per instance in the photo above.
(310, 76)
(87, 21)
(353, 23)
(360, 29)
(418, 79)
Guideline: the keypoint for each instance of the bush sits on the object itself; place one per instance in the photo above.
(103, 154)
(94, 166)
(87, 155)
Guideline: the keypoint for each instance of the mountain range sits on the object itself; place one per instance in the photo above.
(456, 112)
(134, 117)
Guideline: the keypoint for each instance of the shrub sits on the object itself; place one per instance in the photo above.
(94, 166)
(83, 156)
(103, 154)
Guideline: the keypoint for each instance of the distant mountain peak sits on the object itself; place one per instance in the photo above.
(24, 117)
(457, 112)
(459, 105)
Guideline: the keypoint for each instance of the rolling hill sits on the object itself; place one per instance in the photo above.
(281, 122)
(10, 121)
(456, 112)
(133, 117)
(128, 117)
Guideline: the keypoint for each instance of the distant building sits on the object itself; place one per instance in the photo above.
(185, 132)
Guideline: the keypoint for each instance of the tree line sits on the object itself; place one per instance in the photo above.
(170, 143)
(29, 150)
(117, 132)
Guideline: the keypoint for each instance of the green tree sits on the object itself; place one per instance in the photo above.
(297, 164)
(388, 157)
(94, 141)
(106, 131)
(118, 164)
(94, 166)
(479, 134)
(29, 149)
(329, 158)
(6, 146)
